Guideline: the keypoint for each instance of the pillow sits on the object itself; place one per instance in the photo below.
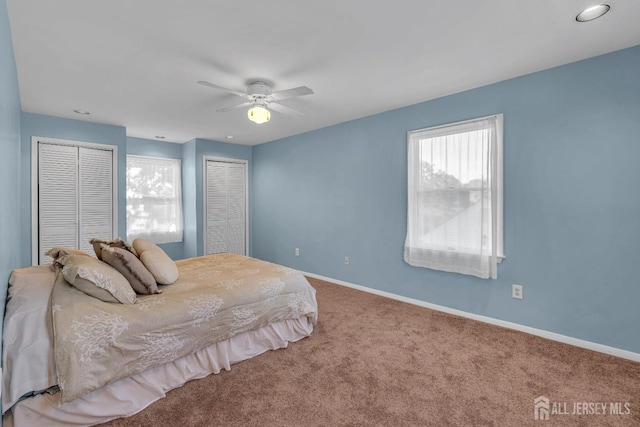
(115, 243)
(141, 280)
(27, 356)
(96, 278)
(59, 251)
(163, 268)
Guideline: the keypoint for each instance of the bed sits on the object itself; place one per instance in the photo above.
(70, 358)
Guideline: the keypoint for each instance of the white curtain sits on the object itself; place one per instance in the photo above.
(454, 198)
(154, 199)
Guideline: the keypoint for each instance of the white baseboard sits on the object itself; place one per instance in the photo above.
(625, 354)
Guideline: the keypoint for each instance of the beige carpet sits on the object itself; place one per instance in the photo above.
(374, 361)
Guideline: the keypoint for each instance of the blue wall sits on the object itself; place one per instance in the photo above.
(10, 159)
(154, 148)
(75, 130)
(572, 206)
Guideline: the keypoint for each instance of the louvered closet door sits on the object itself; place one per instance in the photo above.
(75, 197)
(96, 192)
(57, 198)
(236, 207)
(216, 208)
(225, 207)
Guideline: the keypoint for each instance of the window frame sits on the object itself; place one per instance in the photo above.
(158, 237)
(499, 181)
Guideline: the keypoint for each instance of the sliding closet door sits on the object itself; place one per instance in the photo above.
(74, 197)
(225, 207)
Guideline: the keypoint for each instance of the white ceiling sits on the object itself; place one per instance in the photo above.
(134, 63)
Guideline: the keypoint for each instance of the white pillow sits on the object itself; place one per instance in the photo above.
(27, 357)
(163, 268)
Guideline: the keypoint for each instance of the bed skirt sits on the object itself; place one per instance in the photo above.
(131, 395)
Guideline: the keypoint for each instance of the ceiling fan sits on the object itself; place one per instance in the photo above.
(260, 97)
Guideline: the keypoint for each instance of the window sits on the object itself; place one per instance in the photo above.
(154, 199)
(454, 220)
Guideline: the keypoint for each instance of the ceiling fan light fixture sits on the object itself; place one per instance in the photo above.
(259, 114)
(592, 13)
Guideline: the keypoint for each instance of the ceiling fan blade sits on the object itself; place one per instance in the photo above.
(233, 107)
(290, 93)
(211, 85)
(284, 110)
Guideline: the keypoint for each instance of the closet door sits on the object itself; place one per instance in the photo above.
(95, 196)
(57, 198)
(225, 207)
(236, 208)
(75, 197)
(216, 208)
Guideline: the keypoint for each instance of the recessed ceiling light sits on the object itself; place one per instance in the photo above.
(81, 112)
(593, 12)
(230, 137)
(160, 137)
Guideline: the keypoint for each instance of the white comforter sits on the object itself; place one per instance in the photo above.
(216, 297)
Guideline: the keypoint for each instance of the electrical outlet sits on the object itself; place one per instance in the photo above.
(297, 251)
(516, 291)
(346, 260)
